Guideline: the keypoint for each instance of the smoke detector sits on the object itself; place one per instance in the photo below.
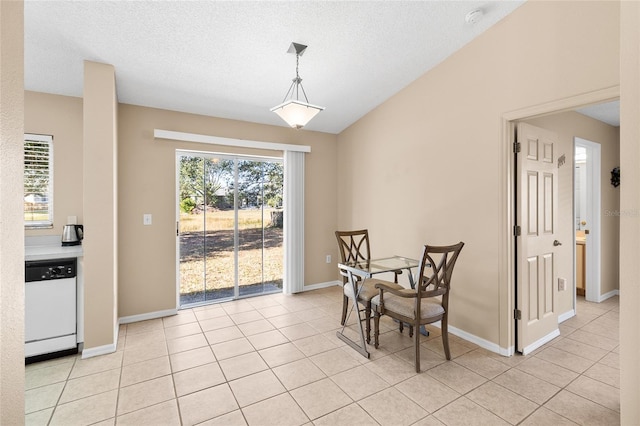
(473, 16)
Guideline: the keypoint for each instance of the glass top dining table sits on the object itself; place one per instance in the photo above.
(386, 264)
(365, 269)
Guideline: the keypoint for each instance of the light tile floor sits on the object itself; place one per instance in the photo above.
(275, 360)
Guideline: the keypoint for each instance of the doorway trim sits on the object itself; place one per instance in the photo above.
(594, 259)
(506, 258)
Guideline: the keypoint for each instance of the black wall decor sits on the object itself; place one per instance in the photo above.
(615, 177)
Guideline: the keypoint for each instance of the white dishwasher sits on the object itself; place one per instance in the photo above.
(50, 308)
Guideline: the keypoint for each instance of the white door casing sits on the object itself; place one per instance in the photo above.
(592, 209)
(536, 215)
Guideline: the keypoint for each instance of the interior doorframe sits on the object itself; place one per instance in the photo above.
(507, 252)
(594, 203)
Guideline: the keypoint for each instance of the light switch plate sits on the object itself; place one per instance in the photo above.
(562, 284)
(146, 219)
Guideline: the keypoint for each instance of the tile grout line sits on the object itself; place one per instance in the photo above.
(319, 333)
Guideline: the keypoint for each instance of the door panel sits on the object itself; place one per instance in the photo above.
(532, 286)
(537, 202)
(191, 231)
(220, 218)
(251, 228)
(548, 267)
(548, 203)
(532, 202)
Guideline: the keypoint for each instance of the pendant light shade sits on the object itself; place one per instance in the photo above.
(296, 113)
(292, 110)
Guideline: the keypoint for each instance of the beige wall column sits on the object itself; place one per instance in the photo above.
(630, 212)
(11, 220)
(100, 207)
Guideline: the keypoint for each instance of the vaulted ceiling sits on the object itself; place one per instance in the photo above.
(228, 58)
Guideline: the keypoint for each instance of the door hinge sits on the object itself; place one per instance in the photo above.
(517, 314)
(516, 230)
(516, 147)
(177, 229)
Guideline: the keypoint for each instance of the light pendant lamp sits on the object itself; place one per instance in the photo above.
(295, 112)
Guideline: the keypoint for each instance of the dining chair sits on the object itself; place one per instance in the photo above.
(421, 305)
(354, 246)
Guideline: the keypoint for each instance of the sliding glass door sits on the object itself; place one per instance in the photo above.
(229, 226)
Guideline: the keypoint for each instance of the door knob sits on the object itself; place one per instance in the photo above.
(557, 243)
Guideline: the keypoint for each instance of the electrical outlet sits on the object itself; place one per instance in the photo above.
(146, 219)
(328, 258)
(562, 284)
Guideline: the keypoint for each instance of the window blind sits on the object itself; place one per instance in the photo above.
(38, 180)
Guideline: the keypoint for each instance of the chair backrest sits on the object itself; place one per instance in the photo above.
(354, 246)
(436, 269)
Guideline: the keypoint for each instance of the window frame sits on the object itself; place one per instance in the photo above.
(40, 224)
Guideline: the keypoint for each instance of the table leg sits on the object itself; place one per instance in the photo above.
(362, 348)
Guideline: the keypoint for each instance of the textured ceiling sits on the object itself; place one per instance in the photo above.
(608, 112)
(228, 58)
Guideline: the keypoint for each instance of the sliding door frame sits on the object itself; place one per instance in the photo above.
(225, 156)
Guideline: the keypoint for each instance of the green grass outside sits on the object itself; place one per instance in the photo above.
(210, 255)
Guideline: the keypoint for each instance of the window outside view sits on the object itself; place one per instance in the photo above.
(230, 227)
(38, 181)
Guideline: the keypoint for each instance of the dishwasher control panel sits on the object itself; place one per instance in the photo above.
(43, 270)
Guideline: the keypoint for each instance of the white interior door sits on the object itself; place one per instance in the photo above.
(537, 215)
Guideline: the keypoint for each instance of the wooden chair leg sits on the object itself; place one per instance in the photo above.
(367, 315)
(376, 328)
(345, 305)
(416, 343)
(410, 331)
(401, 326)
(445, 337)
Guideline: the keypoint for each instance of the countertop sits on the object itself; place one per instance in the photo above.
(49, 247)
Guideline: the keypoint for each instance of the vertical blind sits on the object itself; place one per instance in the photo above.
(38, 180)
(293, 280)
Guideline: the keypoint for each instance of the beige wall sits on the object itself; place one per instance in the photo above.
(426, 166)
(630, 221)
(100, 199)
(61, 117)
(430, 139)
(11, 219)
(567, 126)
(147, 185)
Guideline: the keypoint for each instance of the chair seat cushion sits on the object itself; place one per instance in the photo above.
(405, 306)
(369, 290)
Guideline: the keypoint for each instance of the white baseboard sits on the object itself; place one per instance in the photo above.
(322, 285)
(535, 345)
(490, 346)
(483, 343)
(98, 350)
(110, 348)
(510, 351)
(608, 295)
(563, 317)
(147, 316)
